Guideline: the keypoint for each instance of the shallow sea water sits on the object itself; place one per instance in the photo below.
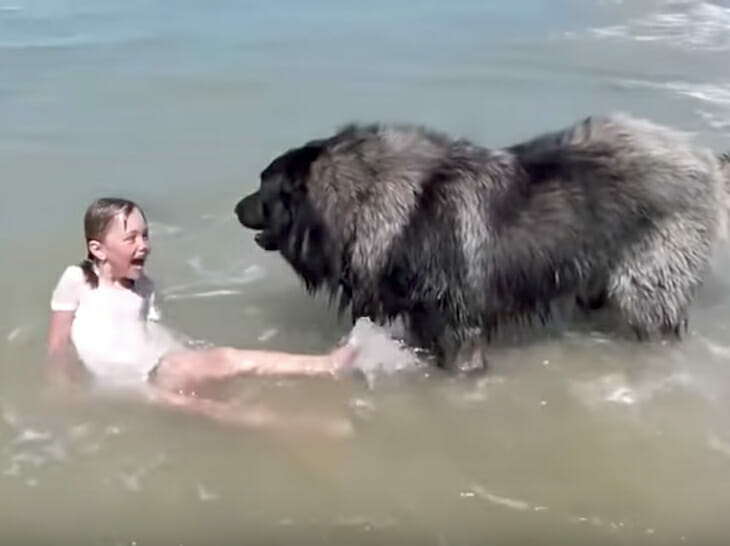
(575, 438)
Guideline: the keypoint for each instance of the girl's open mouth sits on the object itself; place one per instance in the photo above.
(138, 262)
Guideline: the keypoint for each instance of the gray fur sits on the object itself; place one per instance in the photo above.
(457, 239)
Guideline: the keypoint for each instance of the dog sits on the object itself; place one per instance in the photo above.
(401, 222)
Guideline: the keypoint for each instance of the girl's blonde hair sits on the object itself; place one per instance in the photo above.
(97, 219)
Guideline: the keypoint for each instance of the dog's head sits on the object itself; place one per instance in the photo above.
(271, 209)
(285, 219)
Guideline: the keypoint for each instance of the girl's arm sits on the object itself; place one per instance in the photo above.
(63, 365)
(63, 370)
(59, 333)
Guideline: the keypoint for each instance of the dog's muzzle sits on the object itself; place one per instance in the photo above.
(250, 214)
(249, 211)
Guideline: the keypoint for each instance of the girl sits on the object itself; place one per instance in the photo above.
(105, 309)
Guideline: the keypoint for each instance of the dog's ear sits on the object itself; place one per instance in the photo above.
(299, 164)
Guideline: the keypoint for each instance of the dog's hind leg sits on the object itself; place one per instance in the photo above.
(653, 286)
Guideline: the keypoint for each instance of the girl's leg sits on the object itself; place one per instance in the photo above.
(184, 370)
(179, 374)
(252, 416)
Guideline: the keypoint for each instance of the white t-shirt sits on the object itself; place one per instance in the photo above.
(114, 329)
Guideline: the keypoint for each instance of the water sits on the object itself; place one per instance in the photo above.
(577, 438)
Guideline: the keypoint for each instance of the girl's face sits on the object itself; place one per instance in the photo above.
(124, 247)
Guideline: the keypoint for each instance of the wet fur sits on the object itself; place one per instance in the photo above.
(457, 239)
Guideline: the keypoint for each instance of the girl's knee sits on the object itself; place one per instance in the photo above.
(230, 360)
(173, 372)
(171, 364)
(223, 354)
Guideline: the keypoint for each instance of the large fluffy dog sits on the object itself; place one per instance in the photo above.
(458, 239)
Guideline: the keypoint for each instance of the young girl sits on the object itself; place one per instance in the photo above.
(105, 309)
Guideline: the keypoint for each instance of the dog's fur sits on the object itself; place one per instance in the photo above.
(458, 239)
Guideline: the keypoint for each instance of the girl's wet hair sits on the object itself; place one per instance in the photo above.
(97, 219)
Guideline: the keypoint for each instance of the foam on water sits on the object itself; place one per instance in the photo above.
(202, 294)
(715, 93)
(10, 416)
(716, 443)
(715, 348)
(618, 389)
(366, 522)
(482, 493)
(686, 24)
(205, 494)
(715, 120)
(18, 334)
(268, 334)
(132, 480)
(31, 435)
(231, 275)
(712, 95)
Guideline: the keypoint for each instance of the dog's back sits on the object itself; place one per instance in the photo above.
(623, 209)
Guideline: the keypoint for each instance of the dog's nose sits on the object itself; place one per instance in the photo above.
(248, 211)
(238, 210)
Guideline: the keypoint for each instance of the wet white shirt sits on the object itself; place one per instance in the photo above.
(114, 330)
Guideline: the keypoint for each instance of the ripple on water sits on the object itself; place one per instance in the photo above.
(211, 283)
(482, 493)
(19, 334)
(205, 494)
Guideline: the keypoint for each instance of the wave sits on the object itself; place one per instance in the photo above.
(715, 97)
(707, 92)
(687, 24)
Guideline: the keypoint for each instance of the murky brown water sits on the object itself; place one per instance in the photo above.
(577, 439)
(573, 439)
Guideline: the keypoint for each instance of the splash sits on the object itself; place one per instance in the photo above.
(378, 352)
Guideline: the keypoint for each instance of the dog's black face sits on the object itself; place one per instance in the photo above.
(270, 209)
(282, 213)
